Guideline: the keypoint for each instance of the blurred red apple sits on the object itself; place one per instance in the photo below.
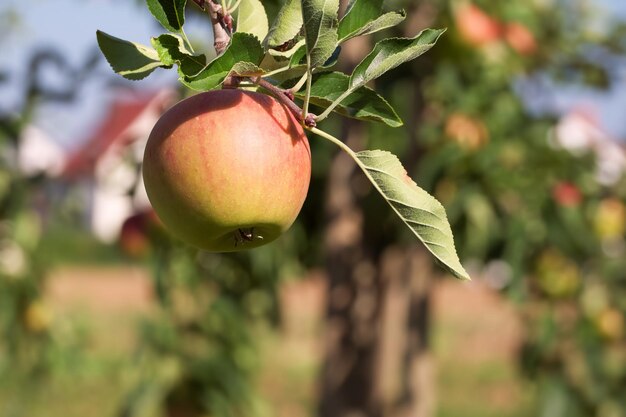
(566, 194)
(468, 132)
(520, 38)
(227, 170)
(476, 27)
(139, 233)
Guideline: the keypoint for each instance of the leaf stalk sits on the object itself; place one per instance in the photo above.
(309, 76)
(334, 104)
(337, 142)
(300, 83)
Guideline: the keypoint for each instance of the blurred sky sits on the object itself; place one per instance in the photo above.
(69, 26)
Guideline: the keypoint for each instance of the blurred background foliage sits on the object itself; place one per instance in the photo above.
(534, 190)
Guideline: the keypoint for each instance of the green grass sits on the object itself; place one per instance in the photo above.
(91, 379)
(62, 396)
(486, 389)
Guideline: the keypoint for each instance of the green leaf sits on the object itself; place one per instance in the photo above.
(287, 24)
(251, 18)
(298, 58)
(382, 22)
(389, 53)
(386, 55)
(420, 211)
(171, 50)
(131, 60)
(320, 29)
(288, 53)
(246, 69)
(363, 104)
(169, 13)
(359, 13)
(243, 47)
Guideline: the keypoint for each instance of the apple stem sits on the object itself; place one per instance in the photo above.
(286, 97)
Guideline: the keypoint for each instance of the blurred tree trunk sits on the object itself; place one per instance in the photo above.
(354, 298)
(377, 353)
(405, 374)
(378, 362)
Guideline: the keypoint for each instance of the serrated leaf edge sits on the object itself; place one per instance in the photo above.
(143, 71)
(364, 30)
(462, 274)
(338, 107)
(387, 40)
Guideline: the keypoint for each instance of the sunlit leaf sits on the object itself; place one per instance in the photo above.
(131, 60)
(420, 211)
(382, 22)
(289, 52)
(287, 24)
(363, 17)
(246, 69)
(169, 13)
(251, 18)
(171, 50)
(243, 47)
(389, 53)
(386, 55)
(363, 104)
(320, 29)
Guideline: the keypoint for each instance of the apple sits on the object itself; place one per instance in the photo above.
(557, 275)
(37, 317)
(610, 324)
(610, 219)
(520, 38)
(567, 194)
(227, 170)
(468, 132)
(140, 232)
(476, 27)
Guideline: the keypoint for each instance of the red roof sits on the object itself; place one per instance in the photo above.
(111, 130)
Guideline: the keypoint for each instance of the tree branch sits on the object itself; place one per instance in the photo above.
(222, 24)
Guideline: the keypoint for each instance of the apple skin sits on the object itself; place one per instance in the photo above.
(227, 170)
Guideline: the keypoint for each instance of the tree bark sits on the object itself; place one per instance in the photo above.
(354, 299)
(405, 366)
(378, 362)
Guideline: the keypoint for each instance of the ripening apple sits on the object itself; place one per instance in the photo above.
(468, 132)
(227, 170)
(610, 324)
(520, 38)
(140, 232)
(476, 27)
(567, 194)
(37, 317)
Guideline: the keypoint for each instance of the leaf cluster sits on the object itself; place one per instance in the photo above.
(296, 55)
